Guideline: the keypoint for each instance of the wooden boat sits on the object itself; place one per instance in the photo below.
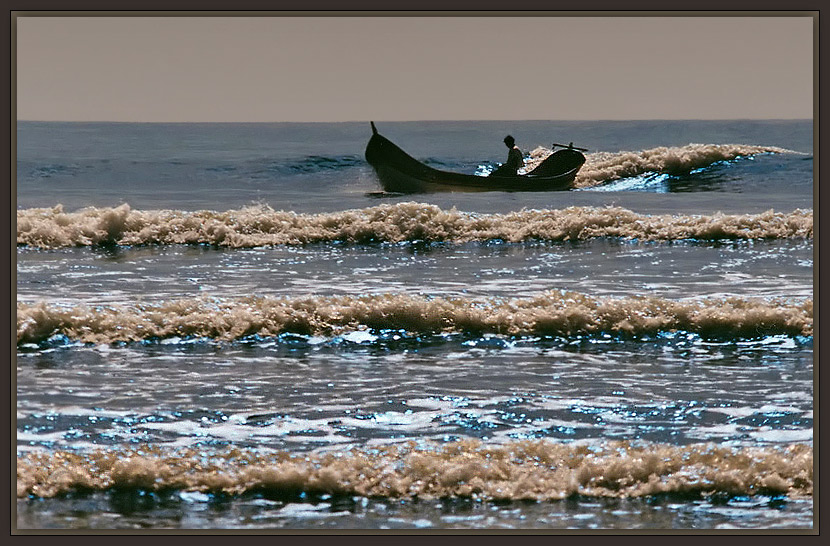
(399, 172)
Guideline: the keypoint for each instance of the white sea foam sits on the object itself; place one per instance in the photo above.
(410, 221)
(517, 470)
(552, 313)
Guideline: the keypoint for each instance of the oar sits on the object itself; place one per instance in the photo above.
(569, 146)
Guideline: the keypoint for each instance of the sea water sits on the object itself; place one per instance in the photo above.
(231, 326)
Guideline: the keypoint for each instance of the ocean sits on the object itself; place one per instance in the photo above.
(229, 326)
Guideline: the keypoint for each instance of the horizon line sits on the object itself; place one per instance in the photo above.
(379, 120)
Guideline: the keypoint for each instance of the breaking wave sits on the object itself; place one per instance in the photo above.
(554, 313)
(514, 471)
(604, 167)
(260, 225)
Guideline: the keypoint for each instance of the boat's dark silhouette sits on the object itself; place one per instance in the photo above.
(400, 172)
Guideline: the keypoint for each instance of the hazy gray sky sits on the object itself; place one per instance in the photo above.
(413, 68)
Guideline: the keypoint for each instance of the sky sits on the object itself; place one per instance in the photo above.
(357, 68)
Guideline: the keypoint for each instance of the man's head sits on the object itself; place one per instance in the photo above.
(509, 141)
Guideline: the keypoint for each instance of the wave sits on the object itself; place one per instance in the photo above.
(55, 169)
(260, 225)
(552, 314)
(312, 164)
(514, 471)
(604, 167)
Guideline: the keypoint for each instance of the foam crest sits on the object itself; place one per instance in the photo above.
(514, 471)
(394, 223)
(603, 167)
(553, 313)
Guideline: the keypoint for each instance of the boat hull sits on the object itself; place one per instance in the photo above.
(394, 180)
(399, 172)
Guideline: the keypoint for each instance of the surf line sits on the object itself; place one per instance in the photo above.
(261, 225)
(555, 313)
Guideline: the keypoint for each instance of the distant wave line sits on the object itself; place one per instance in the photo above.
(602, 167)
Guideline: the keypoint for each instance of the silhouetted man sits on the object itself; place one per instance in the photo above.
(515, 159)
